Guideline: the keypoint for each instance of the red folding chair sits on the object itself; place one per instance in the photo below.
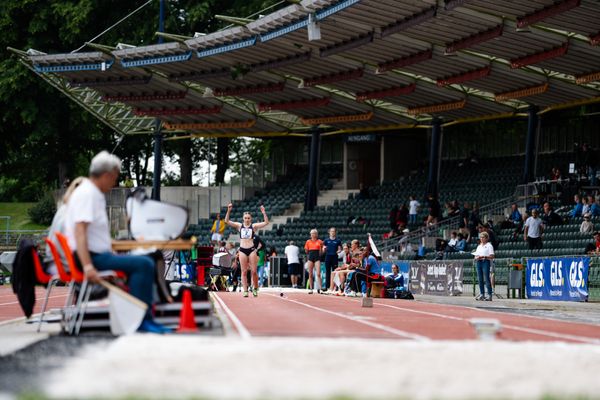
(74, 315)
(63, 276)
(42, 278)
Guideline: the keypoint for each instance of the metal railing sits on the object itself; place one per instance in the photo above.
(9, 239)
(486, 212)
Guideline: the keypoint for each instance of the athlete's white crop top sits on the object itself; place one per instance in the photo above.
(246, 232)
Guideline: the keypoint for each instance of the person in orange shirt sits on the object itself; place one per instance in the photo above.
(313, 248)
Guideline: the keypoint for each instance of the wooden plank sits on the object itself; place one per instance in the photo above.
(177, 244)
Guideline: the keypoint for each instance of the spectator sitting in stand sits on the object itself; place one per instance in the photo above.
(585, 205)
(549, 217)
(446, 211)
(453, 241)
(451, 245)
(515, 216)
(463, 224)
(363, 193)
(514, 219)
(279, 232)
(435, 212)
(440, 247)
(594, 248)
(492, 238)
(454, 209)
(555, 174)
(595, 209)
(590, 161)
(587, 226)
(590, 249)
(461, 244)
(474, 222)
(578, 208)
(407, 250)
(402, 217)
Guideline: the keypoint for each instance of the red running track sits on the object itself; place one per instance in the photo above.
(9, 304)
(301, 314)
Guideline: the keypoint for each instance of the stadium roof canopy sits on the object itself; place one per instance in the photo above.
(379, 64)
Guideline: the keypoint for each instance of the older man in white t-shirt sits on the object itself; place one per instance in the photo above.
(88, 231)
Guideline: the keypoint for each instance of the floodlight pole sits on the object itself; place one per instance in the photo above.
(530, 144)
(313, 171)
(157, 123)
(434, 158)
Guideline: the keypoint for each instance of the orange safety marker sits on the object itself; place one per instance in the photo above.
(187, 323)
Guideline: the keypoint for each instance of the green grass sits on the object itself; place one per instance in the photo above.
(19, 219)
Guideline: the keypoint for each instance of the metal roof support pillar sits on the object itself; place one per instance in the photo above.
(434, 158)
(157, 129)
(313, 171)
(157, 161)
(530, 144)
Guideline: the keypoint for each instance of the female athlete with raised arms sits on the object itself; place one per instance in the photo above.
(247, 254)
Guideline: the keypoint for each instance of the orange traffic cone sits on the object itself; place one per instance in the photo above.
(187, 323)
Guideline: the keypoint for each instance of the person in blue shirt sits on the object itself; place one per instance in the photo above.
(515, 216)
(595, 208)
(576, 211)
(331, 247)
(395, 279)
(461, 244)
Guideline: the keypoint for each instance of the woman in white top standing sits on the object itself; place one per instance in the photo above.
(483, 257)
(247, 254)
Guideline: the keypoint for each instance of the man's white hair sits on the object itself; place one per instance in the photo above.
(104, 162)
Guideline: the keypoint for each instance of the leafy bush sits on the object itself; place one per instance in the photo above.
(43, 211)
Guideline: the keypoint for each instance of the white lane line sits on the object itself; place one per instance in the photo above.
(375, 325)
(244, 333)
(540, 332)
(16, 302)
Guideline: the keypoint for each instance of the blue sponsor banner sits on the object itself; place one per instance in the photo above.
(564, 279)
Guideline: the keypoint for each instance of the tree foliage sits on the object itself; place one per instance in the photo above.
(47, 138)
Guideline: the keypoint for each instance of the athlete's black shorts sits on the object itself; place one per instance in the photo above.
(314, 255)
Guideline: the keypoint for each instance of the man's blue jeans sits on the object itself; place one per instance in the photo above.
(139, 270)
(483, 274)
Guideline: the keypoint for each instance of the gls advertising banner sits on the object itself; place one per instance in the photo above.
(563, 279)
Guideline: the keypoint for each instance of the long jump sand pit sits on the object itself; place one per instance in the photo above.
(170, 367)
